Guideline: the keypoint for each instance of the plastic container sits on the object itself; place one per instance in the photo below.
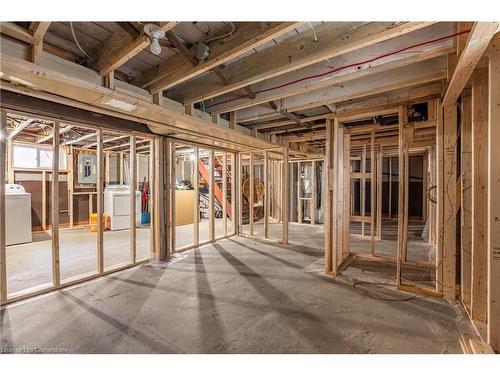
(145, 218)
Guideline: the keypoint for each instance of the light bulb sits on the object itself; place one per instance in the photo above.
(155, 46)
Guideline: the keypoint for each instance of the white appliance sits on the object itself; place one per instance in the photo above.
(17, 215)
(117, 206)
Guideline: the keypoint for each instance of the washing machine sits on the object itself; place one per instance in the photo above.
(117, 206)
(17, 215)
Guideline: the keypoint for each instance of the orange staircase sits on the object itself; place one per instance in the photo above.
(217, 182)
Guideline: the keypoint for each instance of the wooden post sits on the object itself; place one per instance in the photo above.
(234, 199)
(379, 189)
(171, 194)
(466, 197)
(493, 243)
(211, 213)
(373, 170)
(267, 198)
(121, 168)
(338, 195)
(313, 192)
(390, 187)
(3, 258)
(10, 167)
(299, 198)
(329, 201)
(161, 198)
(363, 190)
(401, 193)
(439, 195)
(449, 204)
(479, 194)
(285, 190)
(100, 201)
(56, 270)
(347, 195)
(251, 200)
(152, 200)
(106, 168)
(224, 192)
(196, 212)
(239, 221)
(44, 202)
(132, 186)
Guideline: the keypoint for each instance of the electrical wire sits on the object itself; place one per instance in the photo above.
(335, 70)
(229, 33)
(76, 41)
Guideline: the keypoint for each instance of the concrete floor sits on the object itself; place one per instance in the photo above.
(237, 295)
(29, 265)
(184, 233)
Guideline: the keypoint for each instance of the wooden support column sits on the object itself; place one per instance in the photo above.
(439, 194)
(106, 168)
(479, 194)
(224, 192)
(313, 193)
(56, 270)
(390, 187)
(10, 167)
(232, 119)
(379, 189)
(493, 243)
(234, 198)
(251, 200)
(401, 193)
(329, 201)
(211, 198)
(152, 198)
(171, 194)
(109, 80)
(363, 190)
(347, 196)
(338, 195)
(267, 198)
(299, 198)
(100, 201)
(466, 197)
(239, 196)
(373, 169)
(447, 261)
(132, 186)
(3, 258)
(285, 191)
(121, 168)
(44, 202)
(162, 199)
(196, 212)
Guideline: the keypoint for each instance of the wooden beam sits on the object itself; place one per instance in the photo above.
(246, 37)
(401, 195)
(66, 129)
(23, 124)
(295, 53)
(493, 243)
(79, 139)
(476, 45)
(211, 196)
(119, 48)
(329, 199)
(38, 30)
(16, 32)
(54, 210)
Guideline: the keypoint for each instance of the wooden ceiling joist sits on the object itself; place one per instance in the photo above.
(62, 130)
(23, 124)
(246, 37)
(295, 53)
(479, 38)
(38, 30)
(121, 47)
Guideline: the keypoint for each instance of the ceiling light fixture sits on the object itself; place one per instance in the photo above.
(155, 33)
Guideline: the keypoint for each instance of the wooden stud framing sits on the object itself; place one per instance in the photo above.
(234, 199)
(267, 198)
(44, 202)
(171, 194)
(160, 192)
(3, 258)
(239, 192)
(363, 189)
(379, 189)
(493, 243)
(251, 200)
(285, 191)
(347, 196)
(152, 199)
(100, 201)
(196, 212)
(132, 186)
(56, 270)
(401, 194)
(466, 197)
(373, 169)
(224, 192)
(447, 262)
(299, 197)
(328, 195)
(211, 198)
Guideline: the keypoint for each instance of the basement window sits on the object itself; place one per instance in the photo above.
(33, 157)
